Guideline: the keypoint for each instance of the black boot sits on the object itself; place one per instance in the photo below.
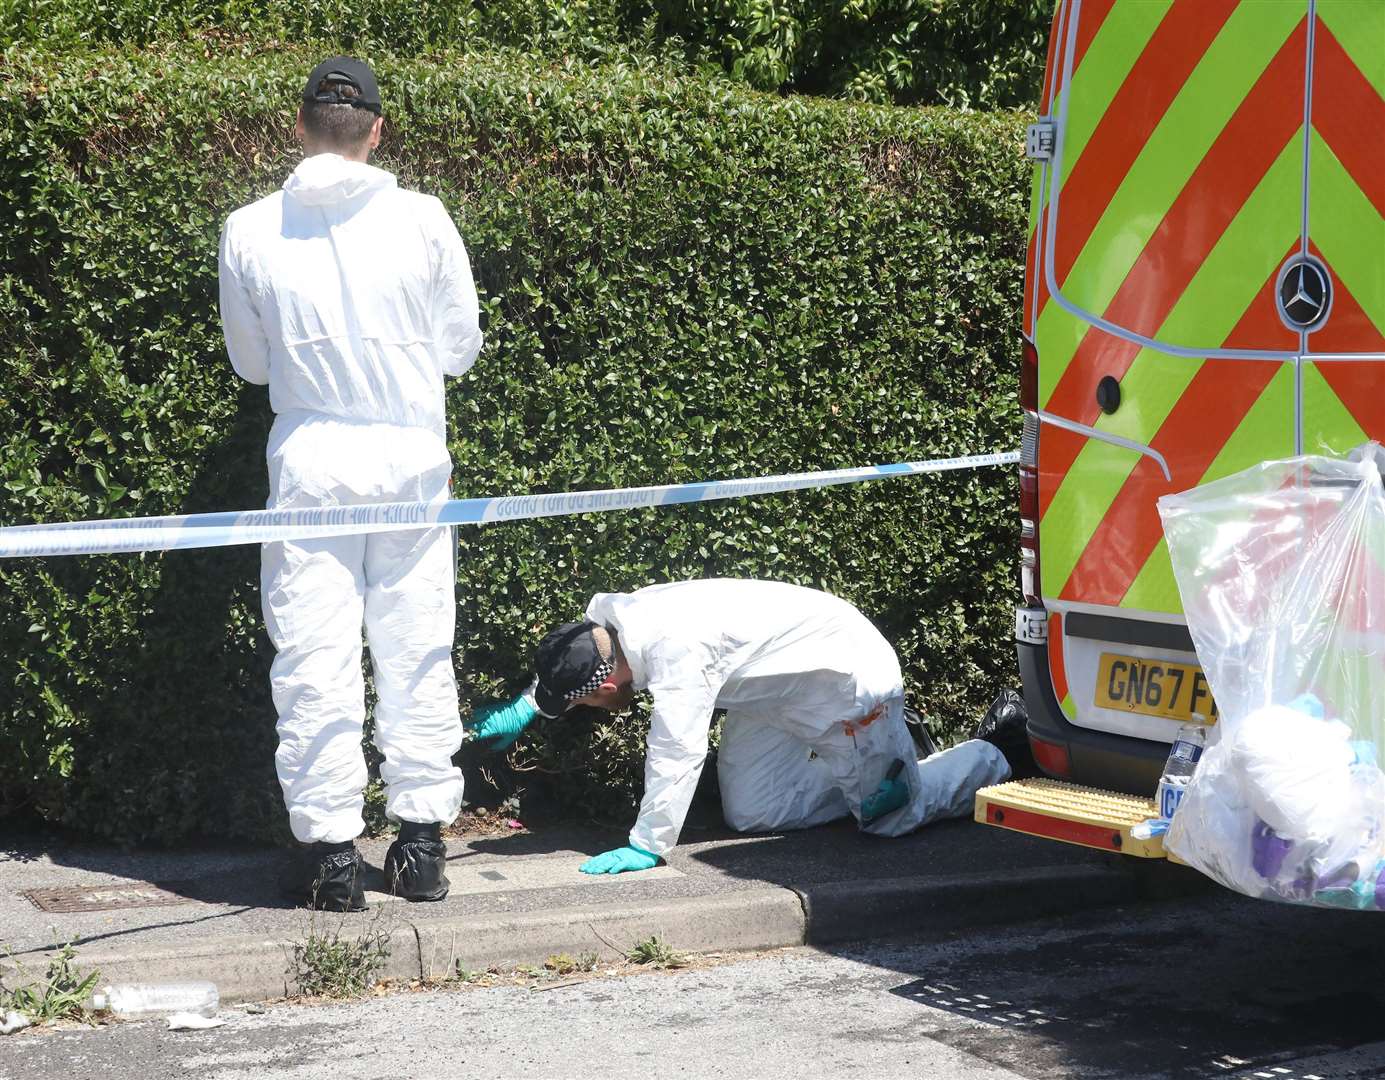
(329, 877)
(415, 864)
(1006, 727)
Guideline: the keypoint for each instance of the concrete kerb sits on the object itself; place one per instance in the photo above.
(728, 922)
(254, 968)
(251, 968)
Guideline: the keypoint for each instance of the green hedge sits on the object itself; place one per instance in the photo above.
(681, 280)
(969, 53)
(403, 27)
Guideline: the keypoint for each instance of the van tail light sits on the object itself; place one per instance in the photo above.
(1029, 476)
(1051, 757)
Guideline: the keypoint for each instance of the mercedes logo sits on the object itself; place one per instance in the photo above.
(1305, 293)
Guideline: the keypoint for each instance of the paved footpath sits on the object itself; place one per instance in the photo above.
(518, 899)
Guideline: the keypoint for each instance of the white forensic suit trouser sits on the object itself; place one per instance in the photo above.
(775, 775)
(318, 594)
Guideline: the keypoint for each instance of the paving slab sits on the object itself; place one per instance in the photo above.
(518, 898)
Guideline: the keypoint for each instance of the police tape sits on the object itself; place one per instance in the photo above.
(114, 536)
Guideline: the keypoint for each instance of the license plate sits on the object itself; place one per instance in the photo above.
(1154, 688)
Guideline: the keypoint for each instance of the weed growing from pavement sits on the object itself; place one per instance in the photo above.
(590, 966)
(656, 953)
(563, 964)
(562, 969)
(329, 963)
(530, 975)
(60, 995)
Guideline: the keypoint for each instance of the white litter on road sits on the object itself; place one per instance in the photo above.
(187, 1021)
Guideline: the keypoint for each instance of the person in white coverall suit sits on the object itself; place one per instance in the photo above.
(352, 299)
(814, 702)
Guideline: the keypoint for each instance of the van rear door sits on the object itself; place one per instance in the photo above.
(1174, 196)
(1335, 288)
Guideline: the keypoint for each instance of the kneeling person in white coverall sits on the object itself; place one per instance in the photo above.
(814, 702)
(352, 299)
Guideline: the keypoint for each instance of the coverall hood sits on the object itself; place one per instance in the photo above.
(328, 179)
(350, 296)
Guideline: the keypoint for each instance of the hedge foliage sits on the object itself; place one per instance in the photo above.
(681, 280)
(402, 27)
(970, 53)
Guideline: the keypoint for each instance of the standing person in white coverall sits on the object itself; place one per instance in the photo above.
(352, 299)
(814, 704)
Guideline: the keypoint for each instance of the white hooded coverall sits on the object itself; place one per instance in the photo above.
(814, 706)
(351, 299)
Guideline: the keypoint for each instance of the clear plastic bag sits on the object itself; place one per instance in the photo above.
(1281, 569)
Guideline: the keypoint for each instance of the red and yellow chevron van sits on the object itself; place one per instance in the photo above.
(1205, 290)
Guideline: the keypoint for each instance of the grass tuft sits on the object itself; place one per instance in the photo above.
(327, 963)
(656, 953)
(60, 995)
(563, 964)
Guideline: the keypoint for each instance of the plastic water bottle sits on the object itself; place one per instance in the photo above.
(158, 999)
(1184, 755)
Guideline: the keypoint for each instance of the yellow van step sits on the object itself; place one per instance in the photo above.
(1070, 813)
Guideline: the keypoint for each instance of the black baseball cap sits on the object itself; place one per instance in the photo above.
(569, 666)
(343, 70)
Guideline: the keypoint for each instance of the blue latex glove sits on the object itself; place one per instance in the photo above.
(890, 795)
(619, 861)
(503, 722)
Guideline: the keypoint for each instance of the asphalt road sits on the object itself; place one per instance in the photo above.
(1215, 986)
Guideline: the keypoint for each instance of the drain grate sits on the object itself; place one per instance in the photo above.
(108, 897)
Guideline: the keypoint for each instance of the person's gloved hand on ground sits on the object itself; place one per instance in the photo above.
(619, 861)
(892, 793)
(501, 723)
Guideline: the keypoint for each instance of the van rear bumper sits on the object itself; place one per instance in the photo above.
(1099, 759)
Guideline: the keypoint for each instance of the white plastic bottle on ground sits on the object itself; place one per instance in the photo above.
(158, 999)
(1184, 755)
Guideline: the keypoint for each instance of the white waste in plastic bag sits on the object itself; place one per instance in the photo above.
(13, 1021)
(1281, 569)
(1296, 770)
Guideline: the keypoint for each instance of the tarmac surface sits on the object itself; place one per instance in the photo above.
(518, 898)
(1211, 985)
